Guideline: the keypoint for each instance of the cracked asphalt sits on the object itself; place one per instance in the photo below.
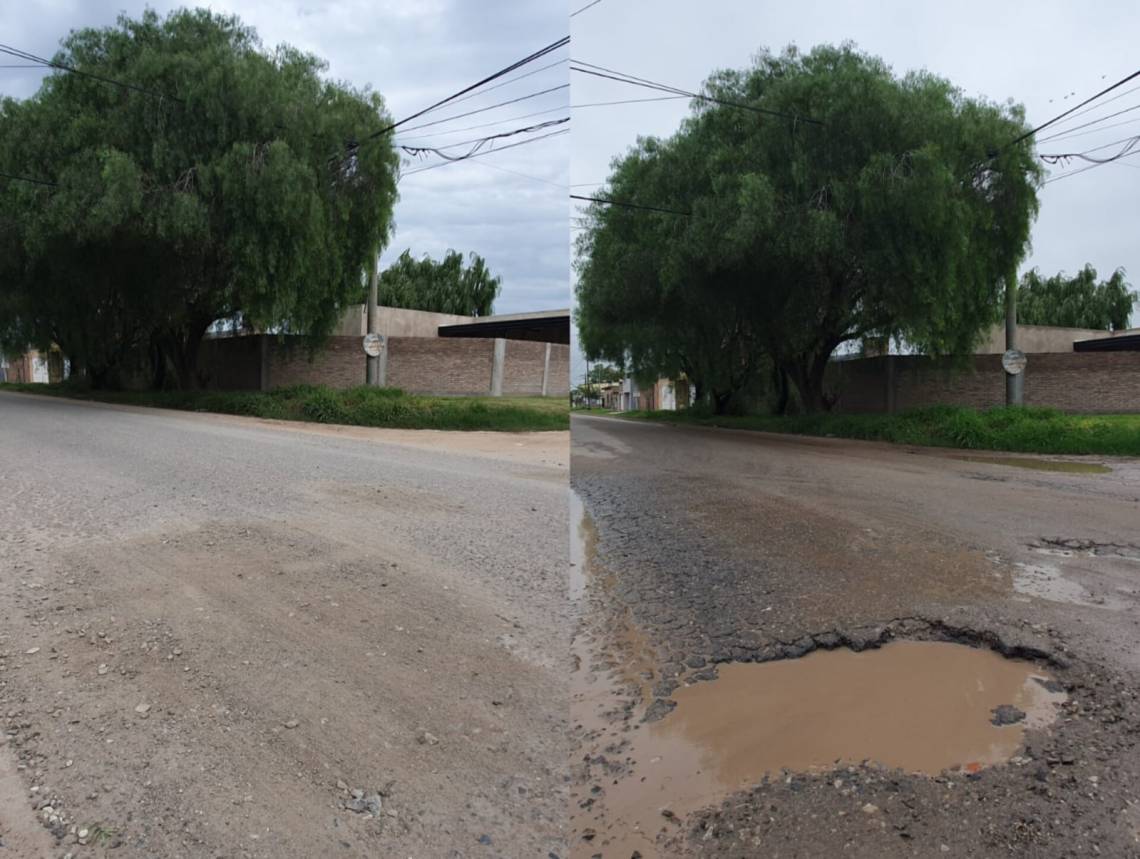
(725, 546)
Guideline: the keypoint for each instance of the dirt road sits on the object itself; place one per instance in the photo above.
(229, 637)
(712, 548)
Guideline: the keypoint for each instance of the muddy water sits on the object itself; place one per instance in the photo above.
(1062, 465)
(922, 707)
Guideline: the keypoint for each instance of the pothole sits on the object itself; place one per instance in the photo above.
(1062, 465)
(918, 706)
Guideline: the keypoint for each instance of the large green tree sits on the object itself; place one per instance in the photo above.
(226, 182)
(443, 286)
(1075, 302)
(841, 202)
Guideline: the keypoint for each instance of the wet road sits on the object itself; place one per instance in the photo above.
(723, 546)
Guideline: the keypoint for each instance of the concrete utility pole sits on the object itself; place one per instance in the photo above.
(1015, 381)
(373, 367)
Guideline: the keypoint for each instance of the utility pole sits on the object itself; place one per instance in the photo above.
(589, 390)
(373, 366)
(1013, 361)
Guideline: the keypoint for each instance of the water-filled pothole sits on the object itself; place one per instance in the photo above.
(921, 707)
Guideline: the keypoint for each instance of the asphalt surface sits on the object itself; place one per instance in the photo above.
(725, 546)
(214, 630)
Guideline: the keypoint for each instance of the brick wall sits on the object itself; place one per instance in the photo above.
(340, 363)
(423, 365)
(1086, 382)
(230, 363)
(522, 368)
(558, 381)
(441, 365)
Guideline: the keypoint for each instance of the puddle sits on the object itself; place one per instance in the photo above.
(1064, 465)
(582, 542)
(922, 707)
(1046, 581)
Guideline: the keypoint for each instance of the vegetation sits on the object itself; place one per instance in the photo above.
(1075, 302)
(868, 206)
(1020, 428)
(361, 406)
(447, 286)
(218, 187)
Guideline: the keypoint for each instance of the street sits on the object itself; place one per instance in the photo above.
(223, 636)
(710, 553)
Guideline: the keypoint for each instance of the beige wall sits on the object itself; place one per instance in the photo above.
(396, 322)
(1040, 338)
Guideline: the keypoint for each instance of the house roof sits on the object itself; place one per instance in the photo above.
(547, 326)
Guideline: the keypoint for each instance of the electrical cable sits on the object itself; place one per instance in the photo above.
(480, 142)
(542, 52)
(25, 55)
(629, 205)
(621, 77)
(584, 8)
(1073, 109)
(487, 152)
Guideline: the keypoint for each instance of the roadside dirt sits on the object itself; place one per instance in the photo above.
(332, 661)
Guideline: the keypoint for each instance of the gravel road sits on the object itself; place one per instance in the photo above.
(724, 546)
(230, 637)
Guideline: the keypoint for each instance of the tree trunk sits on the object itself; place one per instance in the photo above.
(183, 348)
(807, 373)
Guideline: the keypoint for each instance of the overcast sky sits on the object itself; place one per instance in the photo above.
(413, 53)
(1045, 55)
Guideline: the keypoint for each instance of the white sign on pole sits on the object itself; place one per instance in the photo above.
(373, 344)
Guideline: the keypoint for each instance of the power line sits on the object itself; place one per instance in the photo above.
(1090, 167)
(485, 109)
(511, 81)
(29, 179)
(625, 205)
(1102, 104)
(542, 52)
(488, 152)
(1057, 157)
(1065, 136)
(1099, 120)
(543, 113)
(1073, 109)
(584, 8)
(480, 142)
(25, 55)
(523, 175)
(621, 77)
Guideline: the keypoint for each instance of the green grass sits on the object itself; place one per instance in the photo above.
(1022, 430)
(361, 406)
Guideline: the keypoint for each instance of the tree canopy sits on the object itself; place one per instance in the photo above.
(1075, 302)
(444, 286)
(840, 202)
(223, 181)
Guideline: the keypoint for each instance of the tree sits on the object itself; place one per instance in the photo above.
(1075, 302)
(859, 204)
(447, 286)
(225, 184)
(602, 374)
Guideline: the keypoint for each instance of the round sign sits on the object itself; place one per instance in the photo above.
(373, 344)
(1013, 361)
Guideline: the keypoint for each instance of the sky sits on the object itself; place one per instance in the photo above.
(412, 53)
(1047, 56)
